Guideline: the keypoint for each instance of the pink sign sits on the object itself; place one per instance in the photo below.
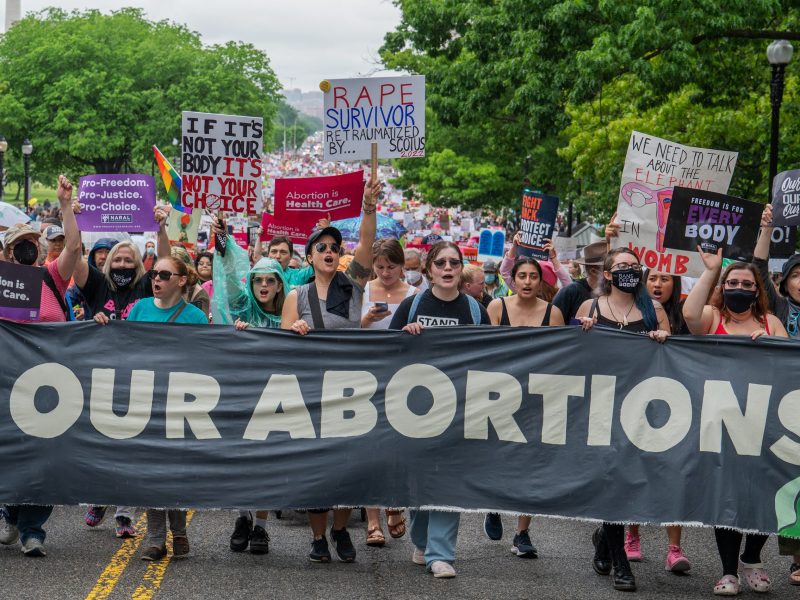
(272, 229)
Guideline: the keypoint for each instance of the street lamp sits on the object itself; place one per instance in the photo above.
(27, 148)
(3, 148)
(176, 156)
(779, 53)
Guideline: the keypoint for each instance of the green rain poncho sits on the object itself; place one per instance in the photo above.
(233, 290)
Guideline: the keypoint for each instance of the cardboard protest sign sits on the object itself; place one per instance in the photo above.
(786, 198)
(182, 228)
(221, 162)
(301, 202)
(712, 221)
(653, 166)
(272, 229)
(20, 291)
(491, 245)
(111, 203)
(537, 223)
(388, 111)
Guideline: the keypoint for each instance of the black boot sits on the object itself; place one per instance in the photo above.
(621, 573)
(601, 563)
(623, 577)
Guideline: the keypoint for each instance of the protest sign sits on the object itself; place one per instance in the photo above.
(271, 229)
(111, 203)
(783, 241)
(712, 221)
(20, 291)
(491, 245)
(387, 111)
(301, 202)
(183, 228)
(658, 417)
(653, 166)
(537, 223)
(221, 162)
(241, 239)
(786, 198)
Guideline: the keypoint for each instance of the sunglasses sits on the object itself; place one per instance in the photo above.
(732, 284)
(439, 263)
(162, 275)
(263, 280)
(322, 247)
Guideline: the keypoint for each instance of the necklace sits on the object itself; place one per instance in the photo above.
(624, 322)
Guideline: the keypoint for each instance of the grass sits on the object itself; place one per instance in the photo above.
(38, 191)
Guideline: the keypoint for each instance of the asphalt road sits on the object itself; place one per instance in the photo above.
(92, 563)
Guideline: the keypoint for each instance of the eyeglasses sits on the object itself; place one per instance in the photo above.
(732, 284)
(439, 263)
(162, 275)
(265, 280)
(625, 266)
(322, 247)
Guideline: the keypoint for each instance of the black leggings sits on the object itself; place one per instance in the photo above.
(729, 542)
(615, 539)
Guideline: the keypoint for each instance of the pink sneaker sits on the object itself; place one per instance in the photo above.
(676, 560)
(633, 549)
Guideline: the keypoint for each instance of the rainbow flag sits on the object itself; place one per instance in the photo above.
(172, 181)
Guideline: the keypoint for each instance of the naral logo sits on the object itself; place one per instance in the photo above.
(116, 219)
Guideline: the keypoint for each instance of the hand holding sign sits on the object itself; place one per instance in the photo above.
(712, 262)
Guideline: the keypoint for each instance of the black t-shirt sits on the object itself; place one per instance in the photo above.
(116, 304)
(433, 312)
(569, 298)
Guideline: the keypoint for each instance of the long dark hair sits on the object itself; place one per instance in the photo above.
(761, 305)
(641, 298)
(673, 306)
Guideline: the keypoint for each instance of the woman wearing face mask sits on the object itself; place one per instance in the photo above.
(624, 305)
(741, 309)
(149, 259)
(382, 296)
(412, 269)
(434, 533)
(523, 309)
(25, 522)
(168, 279)
(333, 301)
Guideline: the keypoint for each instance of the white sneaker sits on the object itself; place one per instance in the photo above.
(442, 570)
(33, 547)
(418, 557)
(9, 534)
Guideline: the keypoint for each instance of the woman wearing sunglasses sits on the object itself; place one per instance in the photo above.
(741, 309)
(333, 301)
(434, 533)
(624, 305)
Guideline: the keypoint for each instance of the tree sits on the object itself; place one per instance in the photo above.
(94, 92)
(565, 81)
(294, 124)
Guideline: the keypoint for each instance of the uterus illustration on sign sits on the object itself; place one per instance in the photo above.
(638, 196)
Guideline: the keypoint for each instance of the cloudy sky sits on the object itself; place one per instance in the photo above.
(306, 40)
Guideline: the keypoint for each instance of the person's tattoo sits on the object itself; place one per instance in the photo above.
(357, 271)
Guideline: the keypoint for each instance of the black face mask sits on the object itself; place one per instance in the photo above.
(122, 277)
(738, 300)
(626, 281)
(26, 252)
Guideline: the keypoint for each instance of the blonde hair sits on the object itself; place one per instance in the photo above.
(137, 258)
(468, 273)
(182, 254)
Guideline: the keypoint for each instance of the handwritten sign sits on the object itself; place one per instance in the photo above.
(221, 162)
(111, 203)
(389, 111)
(653, 167)
(20, 291)
(713, 221)
(786, 198)
(537, 222)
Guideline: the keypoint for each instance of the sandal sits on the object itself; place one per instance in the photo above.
(727, 586)
(756, 576)
(397, 530)
(375, 537)
(794, 574)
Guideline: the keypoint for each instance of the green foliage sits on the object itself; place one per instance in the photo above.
(94, 92)
(566, 81)
(296, 126)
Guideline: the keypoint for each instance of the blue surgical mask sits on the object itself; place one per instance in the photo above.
(489, 278)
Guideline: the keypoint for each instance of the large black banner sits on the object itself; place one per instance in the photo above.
(599, 425)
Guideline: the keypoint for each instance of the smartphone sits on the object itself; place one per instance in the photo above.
(382, 306)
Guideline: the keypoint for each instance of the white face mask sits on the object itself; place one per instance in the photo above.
(413, 277)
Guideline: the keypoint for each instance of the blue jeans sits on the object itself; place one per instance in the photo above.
(29, 519)
(435, 532)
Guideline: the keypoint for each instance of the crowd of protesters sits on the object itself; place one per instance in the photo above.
(381, 285)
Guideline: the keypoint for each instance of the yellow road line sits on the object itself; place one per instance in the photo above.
(154, 576)
(110, 576)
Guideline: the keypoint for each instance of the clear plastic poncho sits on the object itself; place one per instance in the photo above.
(233, 289)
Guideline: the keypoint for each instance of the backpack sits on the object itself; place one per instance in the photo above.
(474, 309)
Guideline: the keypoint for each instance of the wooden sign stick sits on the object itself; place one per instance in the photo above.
(374, 171)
